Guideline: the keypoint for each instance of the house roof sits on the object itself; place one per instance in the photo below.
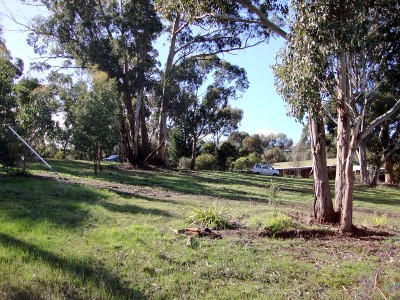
(331, 162)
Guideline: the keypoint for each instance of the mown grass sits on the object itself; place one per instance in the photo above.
(94, 242)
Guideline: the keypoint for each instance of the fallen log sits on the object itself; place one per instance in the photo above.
(200, 232)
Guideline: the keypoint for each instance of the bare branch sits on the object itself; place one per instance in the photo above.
(378, 121)
(267, 23)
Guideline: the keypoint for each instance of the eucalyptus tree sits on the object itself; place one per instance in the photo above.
(9, 72)
(200, 112)
(255, 16)
(37, 105)
(225, 121)
(384, 145)
(343, 49)
(202, 28)
(115, 36)
(298, 75)
(69, 93)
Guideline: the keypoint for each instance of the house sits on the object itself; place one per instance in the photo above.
(304, 168)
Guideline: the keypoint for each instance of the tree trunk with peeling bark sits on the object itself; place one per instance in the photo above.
(160, 157)
(362, 158)
(343, 133)
(323, 206)
(145, 148)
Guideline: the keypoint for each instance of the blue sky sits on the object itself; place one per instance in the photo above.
(264, 110)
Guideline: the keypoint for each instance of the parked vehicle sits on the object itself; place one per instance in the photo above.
(265, 169)
(113, 157)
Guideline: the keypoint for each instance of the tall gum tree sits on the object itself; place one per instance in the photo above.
(258, 15)
(199, 29)
(355, 46)
(115, 36)
(199, 113)
(297, 81)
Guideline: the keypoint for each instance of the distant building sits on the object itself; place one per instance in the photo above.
(304, 168)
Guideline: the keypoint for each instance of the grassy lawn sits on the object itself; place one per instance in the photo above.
(114, 237)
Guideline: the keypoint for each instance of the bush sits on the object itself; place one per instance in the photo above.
(206, 162)
(59, 155)
(245, 163)
(184, 163)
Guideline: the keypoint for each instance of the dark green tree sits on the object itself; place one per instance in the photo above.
(226, 153)
(252, 144)
(179, 144)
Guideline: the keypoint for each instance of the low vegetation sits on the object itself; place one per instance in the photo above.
(118, 236)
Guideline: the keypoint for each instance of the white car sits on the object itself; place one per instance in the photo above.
(265, 169)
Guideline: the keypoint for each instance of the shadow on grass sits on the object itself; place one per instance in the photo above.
(133, 209)
(378, 195)
(22, 293)
(98, 275)
(33, 199)
(225, 185)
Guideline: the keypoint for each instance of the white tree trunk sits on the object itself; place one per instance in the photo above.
(162, 122)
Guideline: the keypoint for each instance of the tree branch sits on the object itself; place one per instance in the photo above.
(267, 23)
(378, 121)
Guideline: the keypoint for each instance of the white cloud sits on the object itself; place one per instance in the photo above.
(264, 131)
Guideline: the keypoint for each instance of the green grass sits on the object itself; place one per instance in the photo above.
(112, 237)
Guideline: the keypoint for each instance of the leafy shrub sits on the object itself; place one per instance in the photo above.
(206, 162)
(272, 222)
(184, 163)
(211, 217)
(59, 155)
(247, 162)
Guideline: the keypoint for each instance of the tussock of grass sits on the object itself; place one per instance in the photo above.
(379, 220)
(272, 221)
(211, 217)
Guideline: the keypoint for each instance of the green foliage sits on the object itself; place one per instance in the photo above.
(225, 154)
(206, 162)
(245, 163)
(179, 144)
(208, 114)
(211, 217)
(37, 104)
(96, 116)
(252, 144)
(272, 221)
(208, 148)
(274, 155)
(184, 163)
(10, 147)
